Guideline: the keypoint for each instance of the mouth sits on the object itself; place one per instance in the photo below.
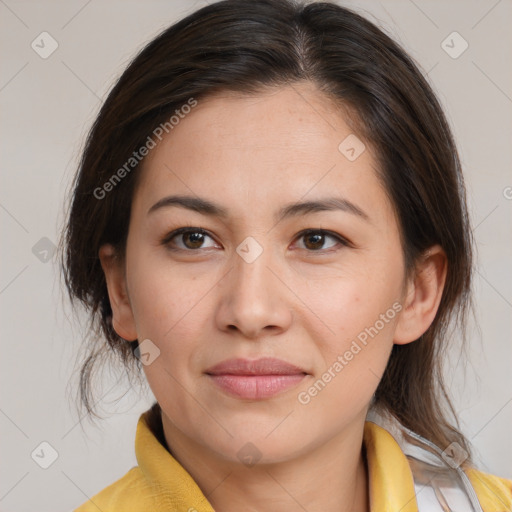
(255, 380)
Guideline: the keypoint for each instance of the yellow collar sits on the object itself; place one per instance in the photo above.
(161, 483)
(387, 466)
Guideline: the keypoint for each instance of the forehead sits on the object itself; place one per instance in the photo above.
(280, 145)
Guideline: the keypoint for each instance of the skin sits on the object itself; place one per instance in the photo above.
(302, 300)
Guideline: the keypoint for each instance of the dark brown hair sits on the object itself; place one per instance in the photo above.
(246, 46)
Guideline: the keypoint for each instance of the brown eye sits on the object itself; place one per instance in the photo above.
(187, 239)
(315, 240)
(193, 240)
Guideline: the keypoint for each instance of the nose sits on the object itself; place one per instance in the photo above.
(253, 300)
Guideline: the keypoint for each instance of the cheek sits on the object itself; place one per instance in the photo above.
(354, 358)
(170, 309)
(360, 309)
(351, 302)
(163, 298)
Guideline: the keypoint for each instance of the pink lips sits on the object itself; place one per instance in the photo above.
(255, 380)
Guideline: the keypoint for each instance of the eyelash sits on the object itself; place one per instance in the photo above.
(185, 230)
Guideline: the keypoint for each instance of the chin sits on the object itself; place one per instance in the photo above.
(254, 442)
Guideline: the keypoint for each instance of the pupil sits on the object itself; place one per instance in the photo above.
(319, 239)
(195, 238)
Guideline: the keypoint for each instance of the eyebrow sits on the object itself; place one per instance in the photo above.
(206, 207)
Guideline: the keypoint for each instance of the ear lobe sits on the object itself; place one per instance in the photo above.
(423, 296)
(123, 321)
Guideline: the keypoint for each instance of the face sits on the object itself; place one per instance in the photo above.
(319, 288)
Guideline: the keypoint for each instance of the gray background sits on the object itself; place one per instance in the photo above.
(47, 106)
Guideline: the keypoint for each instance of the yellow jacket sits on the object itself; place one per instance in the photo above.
(160, 483)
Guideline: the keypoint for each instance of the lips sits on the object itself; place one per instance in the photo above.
(263, 366)
(255, 380)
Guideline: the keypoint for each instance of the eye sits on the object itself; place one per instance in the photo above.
(193, 239)
(314, 240)
(187, 239)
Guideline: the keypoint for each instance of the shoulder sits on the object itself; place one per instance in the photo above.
(494, 493)
(131, 493)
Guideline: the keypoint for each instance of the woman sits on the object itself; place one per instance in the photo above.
(269, 217)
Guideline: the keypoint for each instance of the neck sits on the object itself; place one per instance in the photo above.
(329, 478)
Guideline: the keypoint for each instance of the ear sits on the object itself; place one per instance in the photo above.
(422, 296)
(123, 320)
